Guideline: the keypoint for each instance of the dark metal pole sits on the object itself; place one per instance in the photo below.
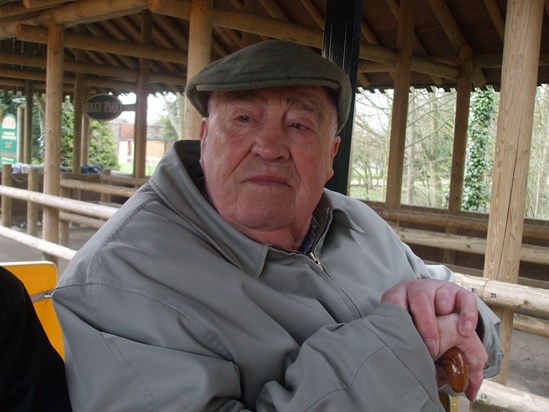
(341, 45)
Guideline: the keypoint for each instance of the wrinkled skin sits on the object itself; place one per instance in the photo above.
(445, 315)
(266, 155)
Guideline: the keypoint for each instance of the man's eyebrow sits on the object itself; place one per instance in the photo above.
(309, 105)
(242, 95)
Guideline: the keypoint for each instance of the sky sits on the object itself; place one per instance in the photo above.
(154, 107)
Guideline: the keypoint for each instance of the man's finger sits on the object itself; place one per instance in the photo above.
(466, 306)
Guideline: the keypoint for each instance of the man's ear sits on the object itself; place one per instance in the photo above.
(334, 148)
(203, 133)
(333, 151)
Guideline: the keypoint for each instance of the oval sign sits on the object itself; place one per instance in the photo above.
(103, 107)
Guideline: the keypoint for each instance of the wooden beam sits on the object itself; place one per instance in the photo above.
(513, 141)
(103, 44)
(80, 67)
(89, 11)
(400, 104)
(461, 123)
(200, 40)
(42, 4)
(453, 31)
(54, 100)
(140, 138)
(29, 107)
(463, 98)
(467, 244)
(313, 12)
(496, 16)
(10, 11)
(276, 28)
(418, 48)
(79, 97)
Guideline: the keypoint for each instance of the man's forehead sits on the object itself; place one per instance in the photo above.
(316, 95)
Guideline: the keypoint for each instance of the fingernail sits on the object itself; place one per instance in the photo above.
(431, 346)
(467, 328)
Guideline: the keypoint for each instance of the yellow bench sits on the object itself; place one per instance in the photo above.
(39, 279)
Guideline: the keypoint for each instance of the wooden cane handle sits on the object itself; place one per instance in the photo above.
(455, 365)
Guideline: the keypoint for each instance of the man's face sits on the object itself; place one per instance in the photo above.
(266, 155)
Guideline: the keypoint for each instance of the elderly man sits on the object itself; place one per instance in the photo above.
(234, 281)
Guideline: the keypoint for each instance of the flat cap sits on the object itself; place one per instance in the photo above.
(274, 63)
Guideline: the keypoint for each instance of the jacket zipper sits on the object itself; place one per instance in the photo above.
(312, 255)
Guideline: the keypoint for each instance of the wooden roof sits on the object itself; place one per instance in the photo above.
(105, 40)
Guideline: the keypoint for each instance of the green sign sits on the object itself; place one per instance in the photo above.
(8, 140)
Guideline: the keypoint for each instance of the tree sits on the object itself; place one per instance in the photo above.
(102, 150)
(538, 176)
(475, 186)
(173, 119)
(369, 150)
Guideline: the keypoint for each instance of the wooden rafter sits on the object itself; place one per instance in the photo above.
(496, 16)
(105, 45)
(456, 37)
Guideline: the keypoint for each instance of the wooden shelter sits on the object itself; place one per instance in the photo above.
(148, 46)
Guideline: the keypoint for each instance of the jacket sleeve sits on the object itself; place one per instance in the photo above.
(377, 363)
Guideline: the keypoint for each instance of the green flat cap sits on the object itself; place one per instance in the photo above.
(274, 63)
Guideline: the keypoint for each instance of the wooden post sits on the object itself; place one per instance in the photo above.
(463, 99)
(400, 103)
(64, 225)
(20, 134)
(32, 208)
(85, 145)
(6, 200)
(200, 44)
(54, 100)
(513, 141)
(140, 137)
(29, 106)
(105, 197)
(78, 102)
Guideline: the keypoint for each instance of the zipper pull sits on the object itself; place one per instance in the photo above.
(316, 260)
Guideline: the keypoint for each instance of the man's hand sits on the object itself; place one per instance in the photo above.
(445, 315)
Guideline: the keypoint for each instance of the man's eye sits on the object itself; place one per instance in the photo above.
(298, 126)
(244, 119)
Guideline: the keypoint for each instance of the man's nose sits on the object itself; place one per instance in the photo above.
(271, 143)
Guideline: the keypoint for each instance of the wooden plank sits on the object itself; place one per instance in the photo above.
(200, 41)
(140, 138)
(33, 184)
(79, 97)
(6, 201)
(513, 140)
(469, 244)
(509, 399)
(61, 203)
(34, 34)
(54, 100)
(527, 299)
(399, 115)
(29, 107)
(467, 221)
(49, 248)
(98, 187)
(463, 97)
(38, 4)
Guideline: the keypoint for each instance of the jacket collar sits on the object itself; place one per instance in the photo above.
(178, 181)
